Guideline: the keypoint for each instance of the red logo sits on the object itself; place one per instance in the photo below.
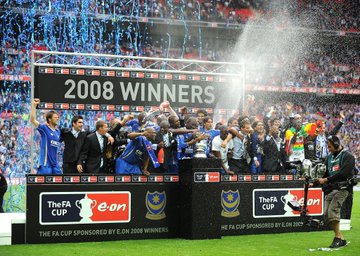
(111, 107)
(111, 207)
(159, 178)
(196, 78)
(65, 106)
(127, 178)
(213, 177)
(95, 107)
(49, 70)
(75, 179)
(65, 71)
(247, 177)
(182, 77)
(314, 201)
(58, 179)
(126, 74)
(125, 108)
(48, 105)
(109, 179)
(111, 73)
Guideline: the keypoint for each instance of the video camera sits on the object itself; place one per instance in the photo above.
(308, 171)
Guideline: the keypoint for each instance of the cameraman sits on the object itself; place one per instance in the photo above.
(340, 165)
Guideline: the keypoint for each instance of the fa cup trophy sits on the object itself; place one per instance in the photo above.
(200, 148)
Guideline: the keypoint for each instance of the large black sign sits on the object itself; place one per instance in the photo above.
(198, 205)
(76, 211)
(262, 207)
(117, 90)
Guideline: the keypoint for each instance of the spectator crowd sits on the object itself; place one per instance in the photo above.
(320, 68)
(325, 15)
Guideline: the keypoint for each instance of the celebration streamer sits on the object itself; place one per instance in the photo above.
(111, 27)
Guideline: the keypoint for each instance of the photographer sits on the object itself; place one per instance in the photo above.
(340, 165)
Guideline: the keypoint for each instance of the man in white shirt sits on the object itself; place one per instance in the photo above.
(222, 152)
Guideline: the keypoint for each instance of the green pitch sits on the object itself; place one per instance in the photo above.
(274, 244)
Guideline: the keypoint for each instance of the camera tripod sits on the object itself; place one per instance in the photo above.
(296, 206)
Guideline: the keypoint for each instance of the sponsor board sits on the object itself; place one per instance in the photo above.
(54, 179)
(244, 177)
(88, 179)
(106, 179)
(171, 178)
(273, 203)
(229, 177)
(36, 179)
(206, 177)
(123, 178)
(155, 178)
(60, 208)
(71, 179)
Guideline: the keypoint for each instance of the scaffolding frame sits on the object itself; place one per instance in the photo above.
(133, 63)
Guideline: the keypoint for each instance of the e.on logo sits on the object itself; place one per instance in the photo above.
(87, 207)
(110, 207)
(314, 199)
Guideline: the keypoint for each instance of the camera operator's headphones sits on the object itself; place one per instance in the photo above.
(334, 141)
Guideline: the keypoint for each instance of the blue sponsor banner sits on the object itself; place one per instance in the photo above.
(268, 203)
(59, 208)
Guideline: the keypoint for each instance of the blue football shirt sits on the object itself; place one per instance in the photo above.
(135, 151)
(49, 145)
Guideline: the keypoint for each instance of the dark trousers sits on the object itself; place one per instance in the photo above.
(239, 166)
(103, 169)
(2, 193)
(70, 168)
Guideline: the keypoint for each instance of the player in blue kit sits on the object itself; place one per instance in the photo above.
(49, 140)
(137, 154)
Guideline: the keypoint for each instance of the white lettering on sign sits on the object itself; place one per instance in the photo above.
(82, 90)
(181, 93)
(112, 207)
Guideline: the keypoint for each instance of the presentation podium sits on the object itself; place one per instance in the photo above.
(200, 206)
(198, 203)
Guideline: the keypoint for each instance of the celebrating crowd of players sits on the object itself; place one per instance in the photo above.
(155, 142)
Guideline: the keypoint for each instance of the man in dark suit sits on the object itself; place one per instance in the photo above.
(92, 155)
(73, 139)
(274, 155)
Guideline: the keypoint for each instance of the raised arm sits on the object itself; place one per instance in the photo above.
(336, 129)
(33, 120)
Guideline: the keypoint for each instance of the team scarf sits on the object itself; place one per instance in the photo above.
(321, 150)
(151, 153)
